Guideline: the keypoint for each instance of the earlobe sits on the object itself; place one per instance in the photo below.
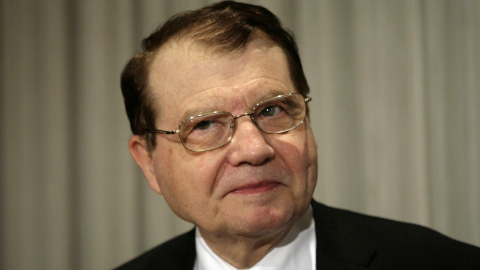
(144, 159)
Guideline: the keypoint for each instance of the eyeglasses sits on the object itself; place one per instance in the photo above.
(213, 130)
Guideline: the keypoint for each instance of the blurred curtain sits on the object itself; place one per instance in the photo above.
(395, 111)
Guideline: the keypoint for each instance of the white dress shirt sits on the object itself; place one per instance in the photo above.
(296, 251)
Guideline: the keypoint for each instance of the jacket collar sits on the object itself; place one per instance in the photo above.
(340, 243)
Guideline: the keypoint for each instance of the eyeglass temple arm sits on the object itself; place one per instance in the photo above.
(308, 99)
(167, 132)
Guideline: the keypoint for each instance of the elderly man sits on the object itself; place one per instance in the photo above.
(218, 105)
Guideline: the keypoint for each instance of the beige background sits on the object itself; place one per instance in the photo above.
(396, 114)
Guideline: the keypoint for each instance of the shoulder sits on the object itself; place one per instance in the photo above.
(392, 241)
(177, 253)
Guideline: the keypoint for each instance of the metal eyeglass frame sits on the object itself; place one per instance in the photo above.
(307, 99)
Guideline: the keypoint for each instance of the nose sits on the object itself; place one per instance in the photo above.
(248, 145)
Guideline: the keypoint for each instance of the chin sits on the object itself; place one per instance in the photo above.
(262, 223)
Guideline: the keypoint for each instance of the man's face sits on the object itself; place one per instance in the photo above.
(259, 183)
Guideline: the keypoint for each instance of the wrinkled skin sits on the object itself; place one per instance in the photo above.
(254, 188)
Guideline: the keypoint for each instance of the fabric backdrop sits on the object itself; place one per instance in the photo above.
(395, 111)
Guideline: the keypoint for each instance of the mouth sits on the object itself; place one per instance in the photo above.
(260, 187)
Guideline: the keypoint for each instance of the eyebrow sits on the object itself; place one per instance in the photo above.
(209, 105)
(270, 94)
(218, 103)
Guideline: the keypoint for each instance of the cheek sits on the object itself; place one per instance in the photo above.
(299, 153)
(311, 148)
(293, 147)
(190, 185)
(189, 177)
(312, 167)
(204, 167)
(167, 169)
(176, 186)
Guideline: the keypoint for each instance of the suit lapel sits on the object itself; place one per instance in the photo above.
(340, 245)
(190, 252)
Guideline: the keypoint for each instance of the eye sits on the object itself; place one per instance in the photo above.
(271, 110)
(203, 125)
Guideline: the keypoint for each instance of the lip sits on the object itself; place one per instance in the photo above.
(260, 187)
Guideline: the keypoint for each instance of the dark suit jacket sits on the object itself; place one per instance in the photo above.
(345, 240)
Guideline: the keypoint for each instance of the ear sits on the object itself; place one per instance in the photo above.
(144, 159)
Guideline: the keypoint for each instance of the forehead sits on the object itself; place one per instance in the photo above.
(186, 78)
